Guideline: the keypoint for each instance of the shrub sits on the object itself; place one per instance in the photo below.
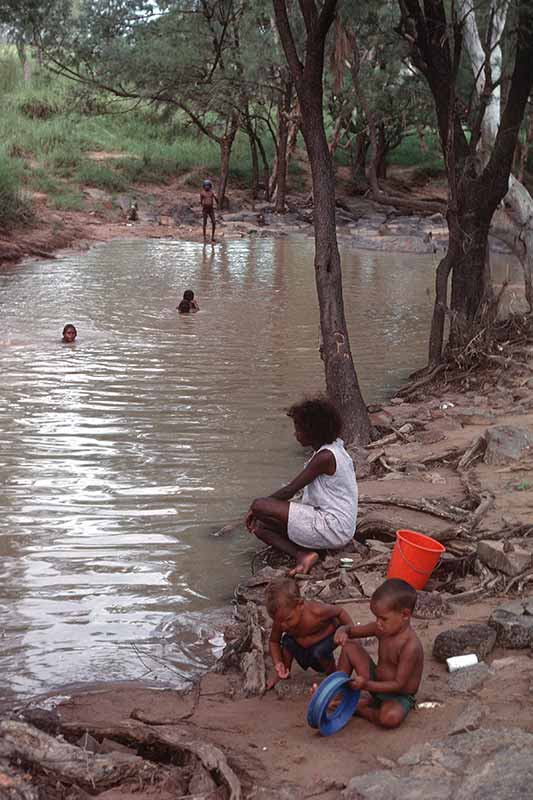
(15, 209)
(94, 173)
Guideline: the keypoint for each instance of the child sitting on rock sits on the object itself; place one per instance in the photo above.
(393, 683)
(326, 517)
(302, 630)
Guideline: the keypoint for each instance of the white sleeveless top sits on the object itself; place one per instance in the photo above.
(336, 494)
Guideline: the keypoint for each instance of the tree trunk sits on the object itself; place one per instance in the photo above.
(358, 150)
(341, 379)
(266, 171)
(225, 144)
(255, 162)
(381, 154)
(284, 107)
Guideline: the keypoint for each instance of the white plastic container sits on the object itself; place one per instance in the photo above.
(459, 662)
(346, 563)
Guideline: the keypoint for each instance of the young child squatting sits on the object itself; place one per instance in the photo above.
(303, 630)
(393, 683)
(326, 517)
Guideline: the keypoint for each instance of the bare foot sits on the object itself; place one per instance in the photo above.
(304, 563)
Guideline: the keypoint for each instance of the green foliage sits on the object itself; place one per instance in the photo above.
(411, 153)
(15, 209)
(95, 173)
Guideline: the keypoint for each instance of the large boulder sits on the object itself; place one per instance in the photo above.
(506, 443)
(513, 623)
(504, 556)
(483, 765)
(468, 678)
(475, 638)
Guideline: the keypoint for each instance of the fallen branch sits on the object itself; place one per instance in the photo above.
(179, 741)
(449, 512)
(70, 764)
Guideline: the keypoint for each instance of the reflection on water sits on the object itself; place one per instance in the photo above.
(120, 454)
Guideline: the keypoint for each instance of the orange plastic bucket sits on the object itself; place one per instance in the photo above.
(414, 558)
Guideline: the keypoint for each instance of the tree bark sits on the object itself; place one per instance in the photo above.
(225, 144)
(476, 185)
(341, 379)
(284, 107)
(266, 170)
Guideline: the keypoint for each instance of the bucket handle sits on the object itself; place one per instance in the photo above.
(412, 566)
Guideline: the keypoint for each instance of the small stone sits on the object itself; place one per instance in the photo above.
(396, 401)
(431, 605)
(513, 623)
(469, 720)
(468, 678)
(476, 638)
(385, 762)
(494, 555)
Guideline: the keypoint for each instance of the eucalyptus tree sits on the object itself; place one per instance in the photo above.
(183, 54)
(382, 99)
(305, 57)
(435, 33)
(483, 33)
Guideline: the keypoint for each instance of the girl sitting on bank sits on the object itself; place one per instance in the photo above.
(326, 517)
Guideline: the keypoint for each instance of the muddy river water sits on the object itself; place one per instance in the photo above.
(122, 453)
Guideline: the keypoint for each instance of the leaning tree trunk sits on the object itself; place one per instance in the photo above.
(341, 379)
(266, 170)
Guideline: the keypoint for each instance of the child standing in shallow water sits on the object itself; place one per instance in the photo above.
(302, 630)
(326, 517)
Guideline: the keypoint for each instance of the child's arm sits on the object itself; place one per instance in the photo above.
(406, 665)
(323, 463)
(275, 651)
(352, 631)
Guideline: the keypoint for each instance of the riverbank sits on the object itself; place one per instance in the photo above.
(170, 211)
(453, 460)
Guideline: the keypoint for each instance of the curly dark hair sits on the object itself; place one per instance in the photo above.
(282, 593)
(319, 418)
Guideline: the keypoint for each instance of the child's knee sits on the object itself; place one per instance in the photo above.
(391, 716)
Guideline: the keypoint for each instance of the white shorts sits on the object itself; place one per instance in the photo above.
(315, 529)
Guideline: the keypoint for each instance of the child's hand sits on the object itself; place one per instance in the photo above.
(282, 671)
(358, 682)
(250, 521)
(341, 635)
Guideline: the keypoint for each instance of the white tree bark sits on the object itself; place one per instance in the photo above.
(487, 68)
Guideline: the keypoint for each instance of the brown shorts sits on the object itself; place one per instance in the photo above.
(208, 212)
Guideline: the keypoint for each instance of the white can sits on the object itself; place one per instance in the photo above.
(459, 662)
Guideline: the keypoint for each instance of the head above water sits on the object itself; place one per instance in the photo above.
(207, 184)
(188, 294)
(316, 421)
(69, 333)
(282, 597)
(393, 604)
(184, 307)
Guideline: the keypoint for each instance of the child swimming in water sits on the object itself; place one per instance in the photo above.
(326, 517)
(69, 334)
(188, 295)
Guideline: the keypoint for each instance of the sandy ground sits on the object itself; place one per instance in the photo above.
(267, 739)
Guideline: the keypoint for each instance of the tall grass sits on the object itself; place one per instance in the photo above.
(15, 208)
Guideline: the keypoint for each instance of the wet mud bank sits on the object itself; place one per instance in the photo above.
(454, 461)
